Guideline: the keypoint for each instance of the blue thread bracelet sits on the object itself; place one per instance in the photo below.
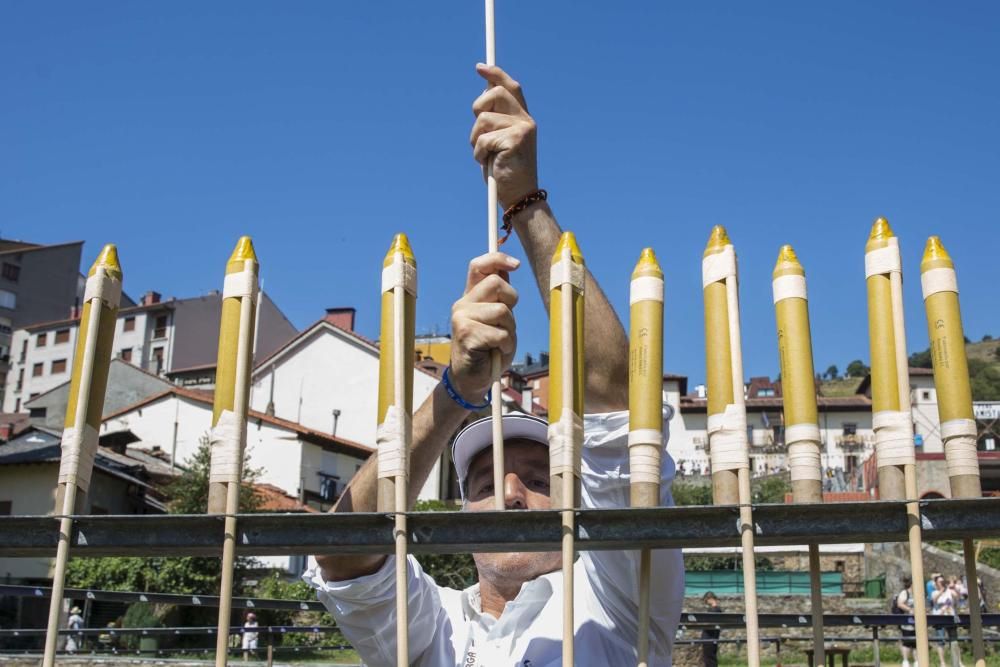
(461, 401)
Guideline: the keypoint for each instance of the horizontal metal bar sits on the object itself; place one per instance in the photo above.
(703, 620)
(463, 532)
(162, 598)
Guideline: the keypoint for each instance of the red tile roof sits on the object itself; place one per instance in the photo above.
(309, 434)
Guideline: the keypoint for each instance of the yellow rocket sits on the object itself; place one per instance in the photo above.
(229, 437)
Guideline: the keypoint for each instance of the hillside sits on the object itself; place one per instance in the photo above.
(984, 367)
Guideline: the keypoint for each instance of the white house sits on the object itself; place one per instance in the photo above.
(845, 424)
(326, 379)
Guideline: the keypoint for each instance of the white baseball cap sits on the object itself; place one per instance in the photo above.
(478, 436)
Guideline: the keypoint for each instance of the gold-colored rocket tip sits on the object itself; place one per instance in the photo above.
(400, 245)
(243, 250)
(568, 239)
(718, 240)
(881, 230)
(647, 265)
(787, 255)
(934, 252)
(107, 260)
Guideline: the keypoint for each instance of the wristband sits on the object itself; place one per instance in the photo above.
(523, 203)
(461, 401)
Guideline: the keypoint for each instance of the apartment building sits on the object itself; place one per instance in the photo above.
(159, 336)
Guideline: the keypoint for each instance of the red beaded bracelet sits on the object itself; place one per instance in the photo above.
(525, 202)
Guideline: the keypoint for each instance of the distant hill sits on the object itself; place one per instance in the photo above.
(984, 368)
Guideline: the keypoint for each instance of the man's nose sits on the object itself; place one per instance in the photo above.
(514, 492)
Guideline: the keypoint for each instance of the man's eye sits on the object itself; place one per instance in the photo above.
(540, 484)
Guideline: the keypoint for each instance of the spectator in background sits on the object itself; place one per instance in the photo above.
(903, 604)
(74, 642)
(944, 601)
(710, 649)
(249, 637)
(929, 585)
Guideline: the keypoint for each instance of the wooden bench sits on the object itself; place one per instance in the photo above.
(831, 656)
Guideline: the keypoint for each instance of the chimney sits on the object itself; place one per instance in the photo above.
(341, 317)
(150, 297)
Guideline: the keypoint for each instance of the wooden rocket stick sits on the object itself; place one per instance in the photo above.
(645, 393)
(727, 409)
(395, 405)
(235, 441)
(939, 284)
(802, 435)
(494, 244)
(83, 417)
(882, 230)
(566, 408)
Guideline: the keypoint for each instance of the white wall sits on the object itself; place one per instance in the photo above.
(328, 370)
(43, 355)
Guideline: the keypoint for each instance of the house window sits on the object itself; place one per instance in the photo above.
(926, 395)
(37, 370)
(158, 359)
(24, 350)
(58, 366)
(160, 331)
(62, 336)
(41, 340)
(8, 299)
(17, 405)
(764, 393)
(6, 506)
(126, 354)
(11, 272)
(20, 380)
(129, 324)
(850, 429)
(37, 413)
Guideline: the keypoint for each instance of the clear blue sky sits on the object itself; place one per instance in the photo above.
(321, 128)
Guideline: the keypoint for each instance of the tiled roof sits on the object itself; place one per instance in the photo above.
(206, 397)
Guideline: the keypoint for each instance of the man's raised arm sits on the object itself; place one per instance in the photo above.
(505, 130)
(482, 320)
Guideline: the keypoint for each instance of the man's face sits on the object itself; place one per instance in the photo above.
(526, 487)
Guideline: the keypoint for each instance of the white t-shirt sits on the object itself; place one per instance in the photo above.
(448, 628)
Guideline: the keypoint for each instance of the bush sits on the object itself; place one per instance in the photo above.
(139, 615)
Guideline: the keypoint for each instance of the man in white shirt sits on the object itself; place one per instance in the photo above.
(513, 615)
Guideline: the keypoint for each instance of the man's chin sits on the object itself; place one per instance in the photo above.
(516, 566)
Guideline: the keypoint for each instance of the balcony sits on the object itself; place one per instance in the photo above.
(854, 442)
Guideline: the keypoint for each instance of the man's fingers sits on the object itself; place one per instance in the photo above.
(491, 143)
(493, 314)
(498, 77)
(489, 121)
(484, 338)
(492, 289)
(492, 263)
(500, 100)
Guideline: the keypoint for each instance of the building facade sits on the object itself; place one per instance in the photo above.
(37, 283)
(158, 336)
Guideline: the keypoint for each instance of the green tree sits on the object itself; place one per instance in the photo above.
(921, 359)
(857, 369)
(452, 570)
(686, 493)
(180, 574)
(832, 373)
(769, 490)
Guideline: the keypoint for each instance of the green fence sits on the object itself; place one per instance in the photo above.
(730, 582)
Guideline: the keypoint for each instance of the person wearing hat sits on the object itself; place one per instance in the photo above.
(74, 642)
(249, 634)
(513, 615)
